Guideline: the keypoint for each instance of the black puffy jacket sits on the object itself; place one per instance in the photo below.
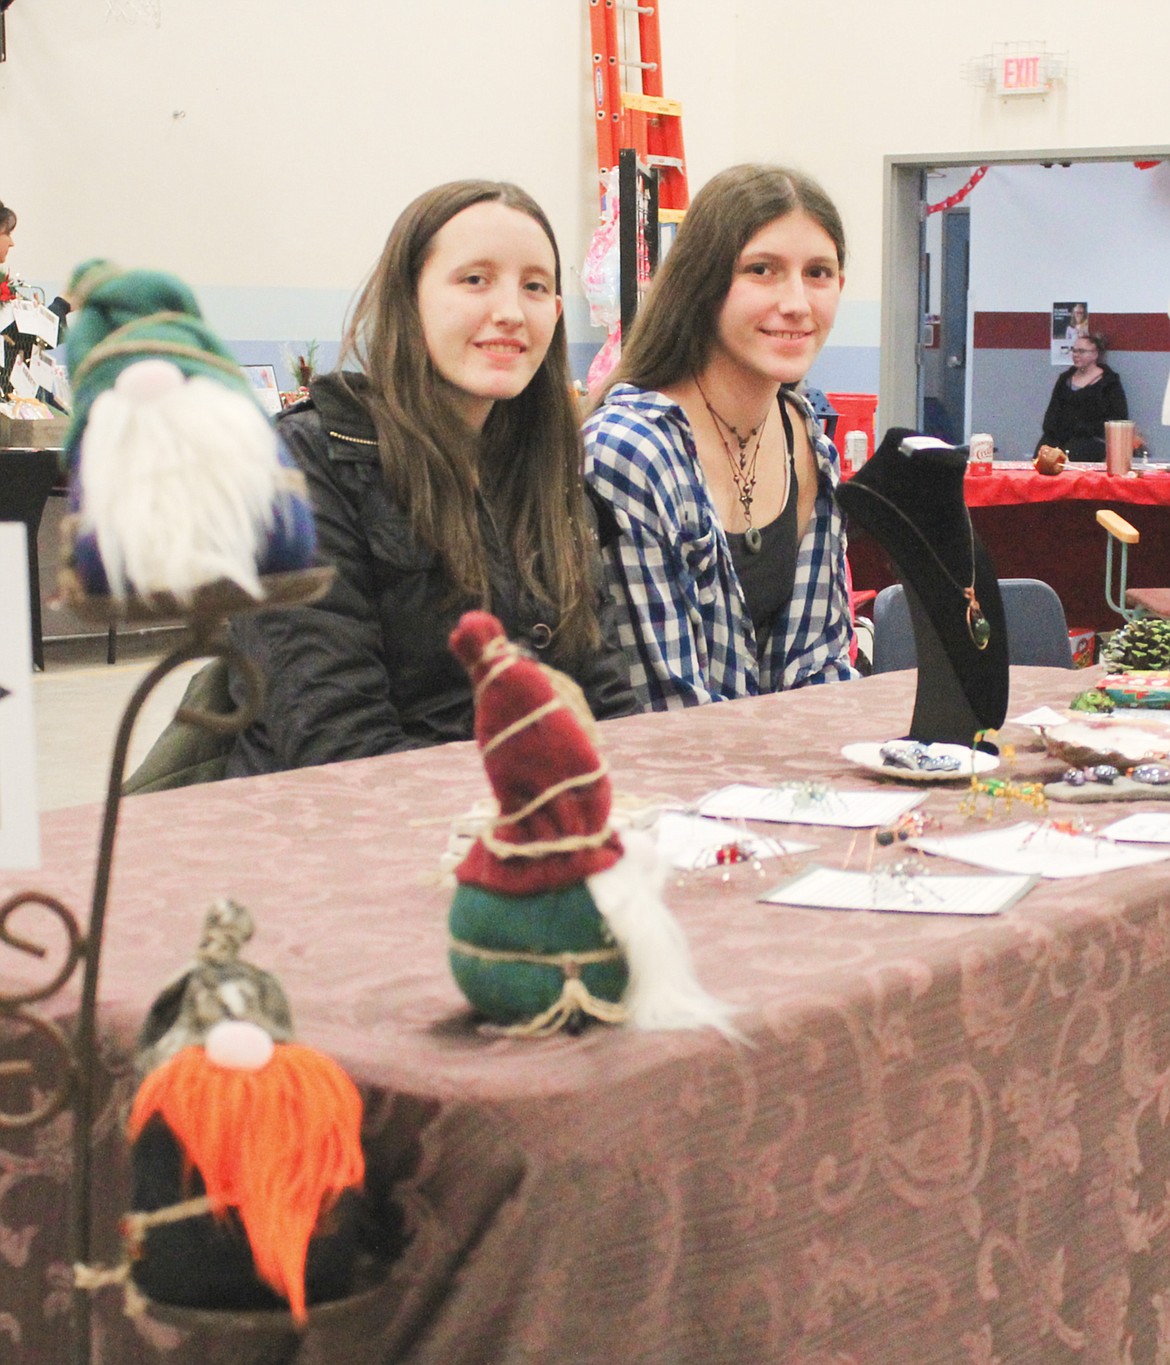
(1075, 418)
(367, 670)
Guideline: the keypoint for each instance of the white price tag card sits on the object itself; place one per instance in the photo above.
(35, 320)
(61, 388)
(50, 325)
(41, 370)
(1039, 850)
(26, 317)
(22, 381)
(19, 825)
(826, 888)
(1147, 827)
(809, 803)
(690, 842)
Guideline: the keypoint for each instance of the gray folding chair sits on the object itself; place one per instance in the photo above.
(1036, 627)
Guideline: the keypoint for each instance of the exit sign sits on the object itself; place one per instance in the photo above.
(1022, 73)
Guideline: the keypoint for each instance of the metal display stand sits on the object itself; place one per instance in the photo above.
(76, 1049)
(638, 234)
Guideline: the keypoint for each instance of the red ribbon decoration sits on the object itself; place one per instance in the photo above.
(960, 194)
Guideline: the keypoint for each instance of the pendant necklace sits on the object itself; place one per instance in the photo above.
(978, 626)
(743, 466)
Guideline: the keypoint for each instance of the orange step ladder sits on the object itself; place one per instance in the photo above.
(642, 119)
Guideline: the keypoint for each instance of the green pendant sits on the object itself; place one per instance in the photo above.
(978, 627)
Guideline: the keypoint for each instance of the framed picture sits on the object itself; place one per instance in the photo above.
(263, 381)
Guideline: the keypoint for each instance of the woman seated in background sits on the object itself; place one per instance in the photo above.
(720, 531)
(444, 472)
(1084, 398)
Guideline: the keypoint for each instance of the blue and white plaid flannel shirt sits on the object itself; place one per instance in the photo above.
(684, 621)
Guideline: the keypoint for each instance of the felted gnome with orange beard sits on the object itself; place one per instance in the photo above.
(247, 1161)
(177, 479)
(556, 918)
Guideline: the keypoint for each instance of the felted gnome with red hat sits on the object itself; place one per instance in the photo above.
(247, 1159)
(555, 916)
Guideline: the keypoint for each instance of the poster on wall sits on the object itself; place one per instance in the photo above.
(19, 827)
(264, 385)
(1069, 321)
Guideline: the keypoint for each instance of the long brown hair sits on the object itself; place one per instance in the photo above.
(677, 324)
(7, 218)
(527, 460)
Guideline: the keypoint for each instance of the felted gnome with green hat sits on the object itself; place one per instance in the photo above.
(176, 477)
(556, 918)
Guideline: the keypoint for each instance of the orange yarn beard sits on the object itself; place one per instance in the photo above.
(278, 1145)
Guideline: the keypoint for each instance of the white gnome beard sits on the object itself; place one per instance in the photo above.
(179, 489)
(663, 992)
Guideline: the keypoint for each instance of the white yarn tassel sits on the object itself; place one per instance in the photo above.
(179, 482)
(663, 992)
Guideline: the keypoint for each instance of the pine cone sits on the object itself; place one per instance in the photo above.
(1144, 643)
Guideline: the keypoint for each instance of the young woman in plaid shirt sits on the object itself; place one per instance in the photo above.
(723, 544)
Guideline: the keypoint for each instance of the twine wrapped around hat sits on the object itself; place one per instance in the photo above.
(555, 917)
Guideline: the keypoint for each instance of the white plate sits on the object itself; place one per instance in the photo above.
(870, 756)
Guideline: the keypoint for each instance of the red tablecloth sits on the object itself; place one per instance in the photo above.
(1011, 484)
(1036, 526)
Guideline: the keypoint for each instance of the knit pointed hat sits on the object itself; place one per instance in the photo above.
(123, 316)
(552, 786)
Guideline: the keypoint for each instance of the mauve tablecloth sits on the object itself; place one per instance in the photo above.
(945, 1139)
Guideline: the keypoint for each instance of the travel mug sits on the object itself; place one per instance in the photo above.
(1118, 447)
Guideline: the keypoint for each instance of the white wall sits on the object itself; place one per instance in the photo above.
(1099, 232)
(839, 87)
(1038, 235)
(261, 149)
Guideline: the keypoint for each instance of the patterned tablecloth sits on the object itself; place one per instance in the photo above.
(943, 1140)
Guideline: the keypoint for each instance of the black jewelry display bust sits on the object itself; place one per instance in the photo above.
(911, 501)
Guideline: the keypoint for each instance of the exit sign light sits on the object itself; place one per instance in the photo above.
(1018, 68)
(1022, 73)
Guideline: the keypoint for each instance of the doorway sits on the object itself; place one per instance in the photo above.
(944, 368)
(901, 384)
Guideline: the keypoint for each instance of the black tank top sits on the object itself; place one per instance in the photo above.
(768, 576)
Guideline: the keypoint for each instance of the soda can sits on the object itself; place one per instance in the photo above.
(981, 451)
(856, 449)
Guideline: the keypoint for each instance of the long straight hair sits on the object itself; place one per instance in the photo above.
(526, 462)
(676, 327)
